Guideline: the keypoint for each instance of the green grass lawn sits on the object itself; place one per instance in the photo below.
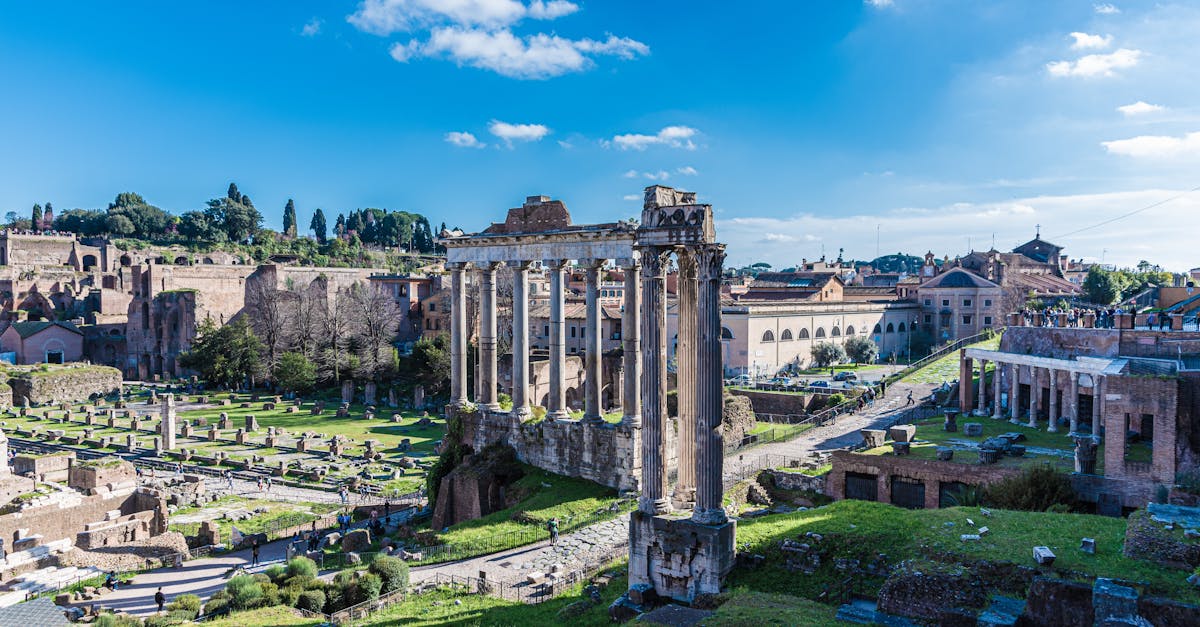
(611, 417)
(771, 432)
(746, 607)
(946, 368)
(930, 435)
(860, 529)
(266, 617)
(280, 514)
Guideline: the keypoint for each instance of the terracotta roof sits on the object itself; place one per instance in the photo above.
(575, 311)
(800, 280)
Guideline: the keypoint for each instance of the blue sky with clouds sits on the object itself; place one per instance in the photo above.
(809, 126)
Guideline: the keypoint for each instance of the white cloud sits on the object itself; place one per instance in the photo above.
(879, 4)
(565, 145)
(672, 136)
(687, 170)
(632, 197)
(1084, 41)
(1096, 64)
(312, 28)
(1139, 108)
(1106, 9)
(478, 33)
(1155, 146)
(517, 132)
(463, 140)
(630, 174)
(661, 175)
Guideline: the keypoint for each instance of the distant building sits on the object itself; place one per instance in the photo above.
(42, 341)
(958, 304)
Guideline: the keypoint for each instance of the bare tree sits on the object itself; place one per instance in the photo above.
(336, 328)
(267, 310)
(376, 320)
(306, 310)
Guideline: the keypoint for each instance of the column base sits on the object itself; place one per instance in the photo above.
(558, 414)
(679, 558)
(592, 420)
(631, 421)
(683, 498)
(715, 516)
(653, 506)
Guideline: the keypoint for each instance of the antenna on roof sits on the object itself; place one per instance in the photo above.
(1038, 234)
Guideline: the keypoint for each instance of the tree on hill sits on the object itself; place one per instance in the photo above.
(1101, 286)
(149, 222)
(47, 218)
(197, 225)
(36, 217)
(289, 219)
(235, 215)
(318, 226)
(226, 355)
(118, 224)
(82, 221)
(862, 350)
(339, 227)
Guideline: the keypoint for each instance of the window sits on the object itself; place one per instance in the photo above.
(546, 330)
(786, 336)
(836, 332)
(726, 334)
(928, 319)
(54, 357)
(901, 328)
(987, 302)
(966, 319)
(849, 330)
(804, 334)
(891, 328)
(820, 332)
(768, 336)
(987, 321)
(432, 306)
(877, 330)
(928, 302)
(945, 302)
(572, 331)
(966, 302)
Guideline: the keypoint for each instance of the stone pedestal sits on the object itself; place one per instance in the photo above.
(680, 558)
(167, 426)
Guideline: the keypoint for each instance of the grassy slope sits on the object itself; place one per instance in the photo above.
(946, 368)
(265, 617)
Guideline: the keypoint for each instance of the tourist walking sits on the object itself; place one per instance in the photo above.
(254, 553)
(910, 399)
(553, 527)
(160, 599)
(270, 484)
(345, 494)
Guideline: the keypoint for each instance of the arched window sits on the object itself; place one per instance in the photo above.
(820, 331)
(836, 332)
(726, 334)
(768, 336)
(902, 329)
(890, 328)
(877, 330)
(804, 334)
(849, 330)
(786, 336)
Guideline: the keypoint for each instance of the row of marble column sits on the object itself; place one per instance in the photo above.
(556, 405)
(1036, 375)
(699, 372)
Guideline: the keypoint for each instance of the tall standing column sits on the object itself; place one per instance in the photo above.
(631, 358)
(556, 406)
(966, 368)
(1014, 393)
(710, 449)
(1035, 391)
(487, 336)
(654, 381)
(1097, 403)
(997, 369)
(982, 400)
(1052, 423)
(1074, 403)
(458, 334)
(593, 345)
(685, 376)
(520, 338)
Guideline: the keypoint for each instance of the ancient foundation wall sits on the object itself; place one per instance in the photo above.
(607, 454)
(69, 384)
(774, 402)
(887, 469)
(1061, 343)
(67, 519)
(1127, 400)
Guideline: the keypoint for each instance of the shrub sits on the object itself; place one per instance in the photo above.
(290, 594)
(185, 603)
(218, 603)
(393, 572)
(1189, 480)
(275, 572)
(835, 399)
(302, 567)
(311, 600)
(368, 587)
(1036, 489)
(112, 620)
(245, 592)
(177, 617)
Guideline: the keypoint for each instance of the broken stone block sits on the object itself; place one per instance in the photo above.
(900, 448)
(1088, 545)
(1043, 555)
(903, 433)
(945, 453)
(973, 429)
(873, 438)
(969, 537)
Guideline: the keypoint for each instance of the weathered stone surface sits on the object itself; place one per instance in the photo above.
(475, 488)
(68, 383)
(913, 592)
(873, 438)
(357, 540)
(1059, 603)
(903, 433)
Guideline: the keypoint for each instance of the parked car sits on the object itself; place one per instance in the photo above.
(741, 379)
(818, 384)
(845, 375)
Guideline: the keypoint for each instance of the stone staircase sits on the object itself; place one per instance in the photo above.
(47, 579)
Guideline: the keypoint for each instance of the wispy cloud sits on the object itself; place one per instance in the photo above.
(463, 140)
(671, 136)
(1096, 64)
(517, 132)
(1106, 9)
(1084, 41)
(478, 33)
(1155, 146)
(632, 197)
(312, 28)
(879, 4)
(1139, 108)
(687, 170)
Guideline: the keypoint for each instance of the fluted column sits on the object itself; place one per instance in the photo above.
(487, 336)
(685, 377)
(709, 444)
(982, 400)
(458, 334)
(520, 338)
(1074, 403)
(593, 345)
(1097, 402)
(631, 358)
(556, 405)
(1035, 392)
(997, 370)
(654, 381)
(1014, 393)
(1052, 423)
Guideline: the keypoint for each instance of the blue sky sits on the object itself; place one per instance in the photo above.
(809, 126)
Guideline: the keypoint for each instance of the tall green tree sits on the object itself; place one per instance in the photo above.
(827, 354)
(1101, 286)
(36, 217)
(289, 219)
(862, 350)
(295, 373)
(235, 215)
(149, 222)
(318, 226)
(227, 355)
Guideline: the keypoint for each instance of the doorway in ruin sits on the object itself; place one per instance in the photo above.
(862, 486)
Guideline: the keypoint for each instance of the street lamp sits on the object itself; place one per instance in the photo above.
(909, 338)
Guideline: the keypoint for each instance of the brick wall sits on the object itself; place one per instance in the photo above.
(774, 402)
(71, 384)
(931, 472)
(1127, 398)
(55, 522)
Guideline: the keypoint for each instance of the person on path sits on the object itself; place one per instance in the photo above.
(160, 599)
(178, 468)
(344, 493)
(553, 527)
(387, 509)
(254, 553)
(910, 399)
(270, 484)
(229, 478)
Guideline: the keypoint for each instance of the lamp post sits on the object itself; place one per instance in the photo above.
(909, 338)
